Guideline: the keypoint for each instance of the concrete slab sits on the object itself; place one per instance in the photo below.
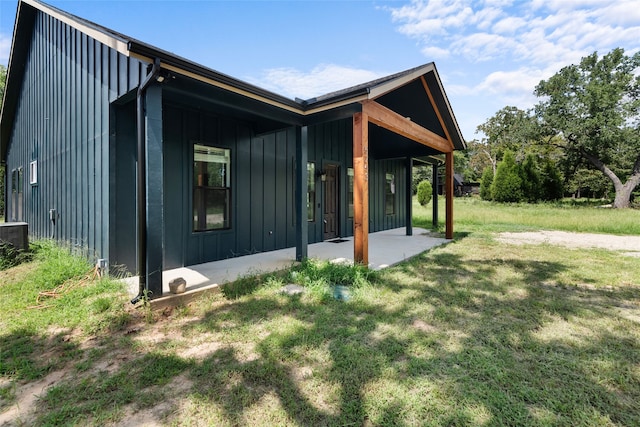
(386, 248)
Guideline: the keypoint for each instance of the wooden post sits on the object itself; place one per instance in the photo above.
(361, 188)
(434, 195)
(302, 225)
(449, 194)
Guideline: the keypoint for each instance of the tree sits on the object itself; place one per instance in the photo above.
(550, 181)
(424, 192)
(508, 129)
(595, 108)
(507, 183)
(531, 182)
(485, 184)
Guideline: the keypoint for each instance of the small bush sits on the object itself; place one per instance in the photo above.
(10, 256)
(424, 192)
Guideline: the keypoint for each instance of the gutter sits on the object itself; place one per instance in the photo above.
(142, 178)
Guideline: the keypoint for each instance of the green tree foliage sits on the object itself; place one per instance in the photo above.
(508, 129)
(550, 181)
(531, 181)
(591, 183)
(420, 173)
(595, 108)
(485, 183)
(424, 192)
(507, 183)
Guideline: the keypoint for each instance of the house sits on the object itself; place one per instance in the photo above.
(150, 161)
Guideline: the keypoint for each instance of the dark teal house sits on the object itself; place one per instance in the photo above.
(150, 161)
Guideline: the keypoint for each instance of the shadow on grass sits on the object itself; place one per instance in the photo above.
(444, 339)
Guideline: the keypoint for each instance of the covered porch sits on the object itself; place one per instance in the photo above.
(386, 248)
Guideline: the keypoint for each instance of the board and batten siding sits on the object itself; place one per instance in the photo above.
(62, 122)
(262, 185)
(262, 171)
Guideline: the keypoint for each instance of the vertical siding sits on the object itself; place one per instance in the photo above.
(62, 121)
(261, 186)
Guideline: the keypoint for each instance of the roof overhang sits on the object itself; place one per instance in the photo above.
(398, 96)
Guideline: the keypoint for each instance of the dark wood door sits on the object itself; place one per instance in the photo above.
(331, 193)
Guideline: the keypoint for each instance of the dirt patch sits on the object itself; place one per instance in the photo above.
(21, 412)
(628, 245)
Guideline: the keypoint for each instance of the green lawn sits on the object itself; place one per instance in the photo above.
(476, 332)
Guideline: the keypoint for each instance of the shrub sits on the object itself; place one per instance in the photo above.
(485, 184)
(507, 184)
(424, 192)
(531, 182)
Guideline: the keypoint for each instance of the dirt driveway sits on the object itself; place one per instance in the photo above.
(628, 245)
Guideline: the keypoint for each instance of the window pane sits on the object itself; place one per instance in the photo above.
(311, 191)
(390, 194)
(211, 188)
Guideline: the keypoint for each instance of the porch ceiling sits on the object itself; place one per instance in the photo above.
(264, 117)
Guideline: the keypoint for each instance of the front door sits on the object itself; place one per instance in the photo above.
(331, 193)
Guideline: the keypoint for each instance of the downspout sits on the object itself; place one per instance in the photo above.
(142, 178)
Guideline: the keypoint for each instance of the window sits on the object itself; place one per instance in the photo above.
(390, 194)
(33, 172)
(350, 191)
(311, 192)
(211, 188)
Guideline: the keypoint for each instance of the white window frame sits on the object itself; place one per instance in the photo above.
(33, 172)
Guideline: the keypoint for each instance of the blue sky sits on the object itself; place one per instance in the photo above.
(489, 53)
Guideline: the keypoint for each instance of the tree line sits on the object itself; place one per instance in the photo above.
(581, 139)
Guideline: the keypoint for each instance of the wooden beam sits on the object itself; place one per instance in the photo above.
(434, 195)
(449, 194)
(360, 188)
(386, 118)
(435, 108)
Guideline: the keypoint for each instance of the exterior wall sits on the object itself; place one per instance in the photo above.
(262, 185)
(62, 122)
(262, 171)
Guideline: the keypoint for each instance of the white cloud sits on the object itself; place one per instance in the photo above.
(5, 48)
(322, 79)
(435, 52)
(513, 44)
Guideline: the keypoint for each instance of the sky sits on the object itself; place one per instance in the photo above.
(489, 53)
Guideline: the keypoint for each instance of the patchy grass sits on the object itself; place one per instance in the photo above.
(477, 332)
(472, 214)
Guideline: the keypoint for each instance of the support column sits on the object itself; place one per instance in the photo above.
(434, 195)
(154, 190)
(361, 188)
(302, 225)
(449, 194)
(409, 196)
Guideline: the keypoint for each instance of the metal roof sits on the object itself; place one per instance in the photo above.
(318, 106)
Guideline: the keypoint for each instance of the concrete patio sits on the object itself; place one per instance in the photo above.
(386, 248)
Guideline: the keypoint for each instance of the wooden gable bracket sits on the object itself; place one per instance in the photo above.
(388, 119)
(448, 166)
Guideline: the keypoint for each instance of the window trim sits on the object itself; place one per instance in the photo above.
(228, 212)
(311, 191)
(33, 172)
(387, 194)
